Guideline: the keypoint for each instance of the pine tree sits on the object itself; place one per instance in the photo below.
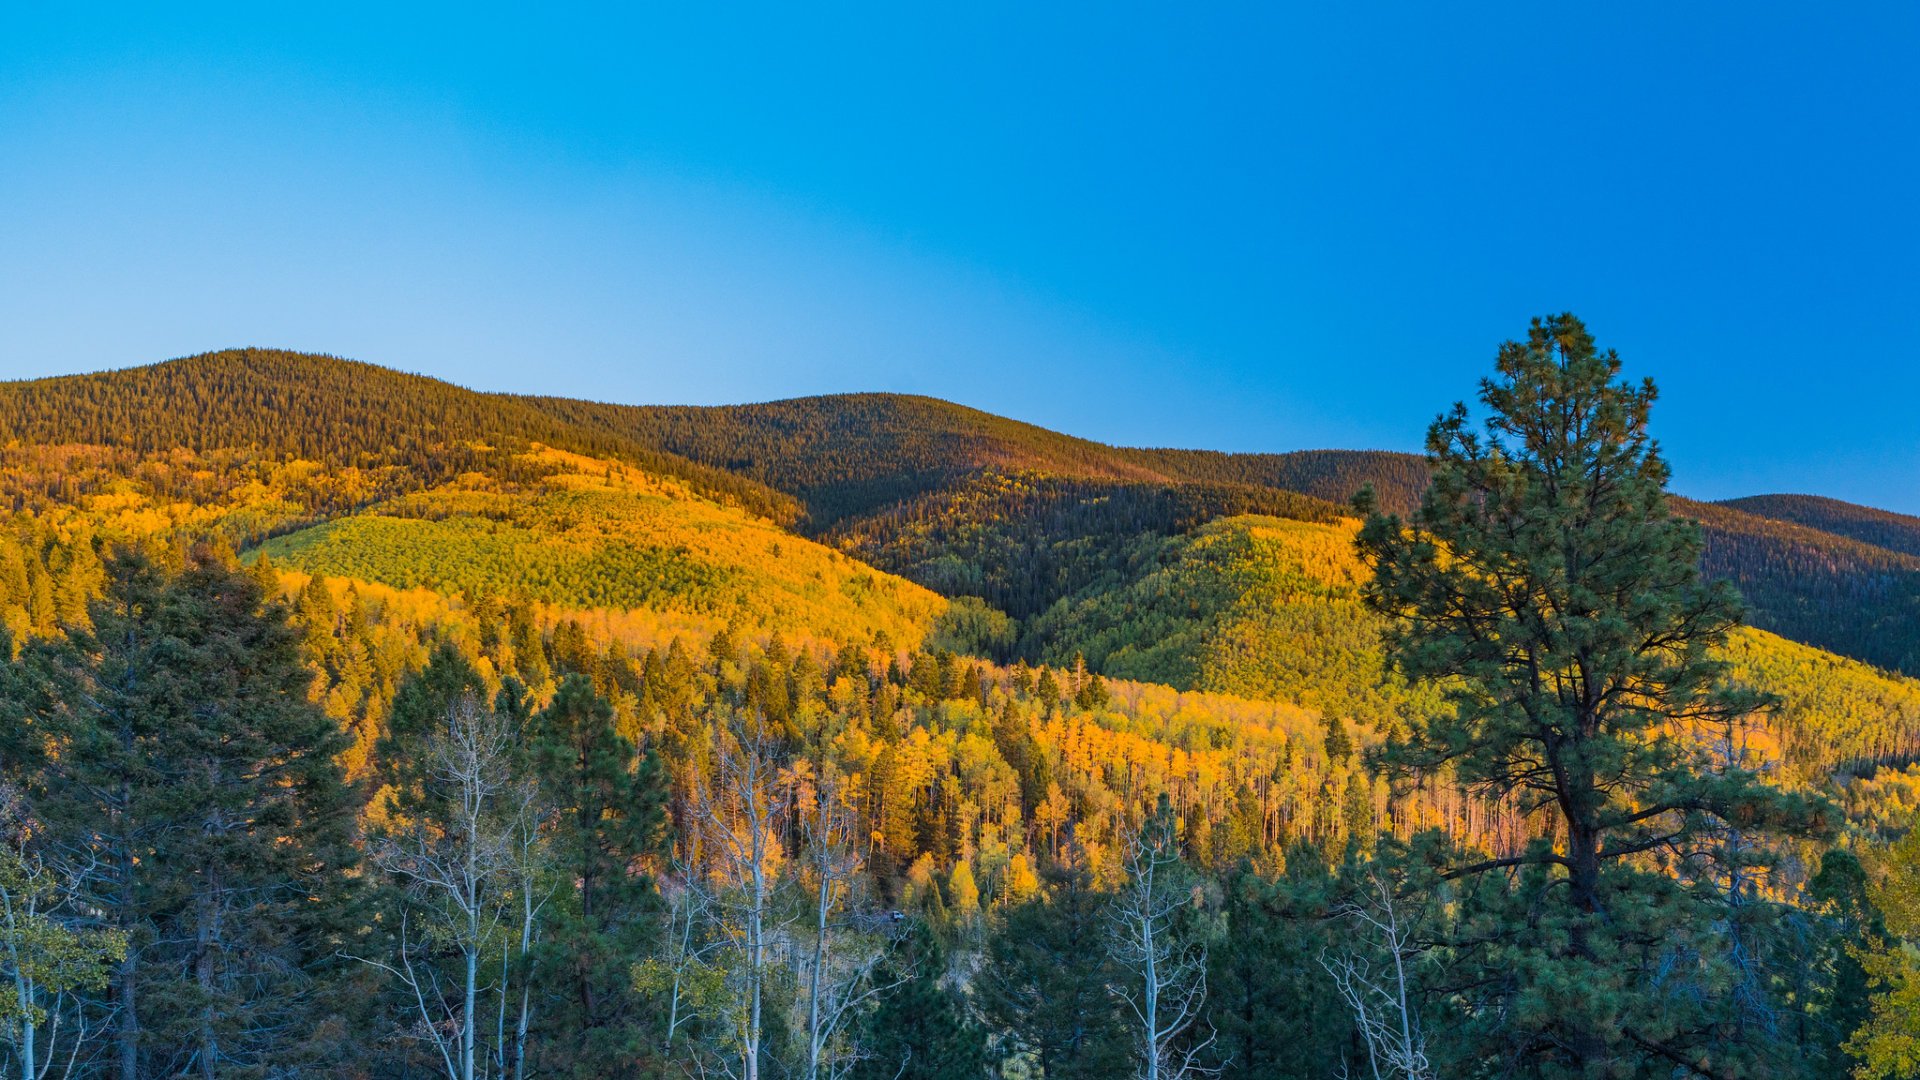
(1546, 585)
(1047, 977)
(609, 806)
(1267, 996)
(1840, 1001)
(195, 763)
(920, 1029)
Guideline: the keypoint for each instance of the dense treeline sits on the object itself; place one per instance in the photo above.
(1836, 593)
(1881, 528)
(1023, 541)
(324, 409)
(846, 455)
(1332, 475)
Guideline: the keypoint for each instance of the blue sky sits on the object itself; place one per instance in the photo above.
(1262, 227)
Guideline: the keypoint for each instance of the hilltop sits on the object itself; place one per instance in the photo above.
(1880, 528)
(355, 471)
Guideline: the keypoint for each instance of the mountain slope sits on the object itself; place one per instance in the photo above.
(970, 503)
(851, 454)
(1266, 608)
(324, 409)
(590, 534)
(356, 471)
(1881, 528)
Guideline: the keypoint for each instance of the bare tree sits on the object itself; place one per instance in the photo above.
(847, 947)
(48, 956)
(683, 973)
(468, 873)
(1378, 991)
(1166, 967)
(737, 816)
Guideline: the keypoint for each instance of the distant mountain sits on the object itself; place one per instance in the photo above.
(1881, 528)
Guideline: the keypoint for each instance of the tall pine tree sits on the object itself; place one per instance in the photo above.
(608, 803)
(1547, 586)
(191, 759)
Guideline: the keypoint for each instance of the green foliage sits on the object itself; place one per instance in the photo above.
(1267, 996)
(1257, 607)
(609, 820)
(919, 1030)
(49, 952)
(1046, 980)
(1025, 540)
(1545, 581)
(1888, 1044)
(191, 760)
(971, 628)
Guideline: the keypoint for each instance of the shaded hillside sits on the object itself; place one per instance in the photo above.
(1813, 586)
(849, 454)
(1881, 528)
(1024, 540)
(324, 409)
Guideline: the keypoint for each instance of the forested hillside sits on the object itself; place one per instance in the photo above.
(1881, 528)
(585, 533)
(412, 731)
(319, 408)
(958, 500)
(969, 503)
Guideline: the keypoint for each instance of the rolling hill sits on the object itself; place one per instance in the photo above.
(324, 409)
(1269, 609)
(958, 500)
(350, 470)
(1881, 528)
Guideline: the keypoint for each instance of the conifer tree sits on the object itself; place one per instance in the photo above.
(194, 763)
(1047, 977)
(1267, 997)
(1545, 584)
(920, 1029)
(608, 803)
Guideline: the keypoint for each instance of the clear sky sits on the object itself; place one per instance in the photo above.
(1269, 227)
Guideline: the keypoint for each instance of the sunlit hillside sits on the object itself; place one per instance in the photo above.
(1268, 608)
(586, 533)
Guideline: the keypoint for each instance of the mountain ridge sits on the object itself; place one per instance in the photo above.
(956, 498)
